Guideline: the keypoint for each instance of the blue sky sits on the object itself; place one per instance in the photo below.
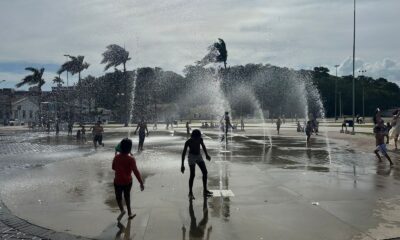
(172, 34)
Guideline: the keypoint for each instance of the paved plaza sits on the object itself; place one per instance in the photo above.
(334, 188)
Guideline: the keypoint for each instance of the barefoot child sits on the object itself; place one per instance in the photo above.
(123, 165)
(379, 131)
(194, 158)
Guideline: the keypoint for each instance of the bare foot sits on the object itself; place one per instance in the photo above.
(132, 215)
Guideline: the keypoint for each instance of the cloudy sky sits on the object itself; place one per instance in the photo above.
(174, 33)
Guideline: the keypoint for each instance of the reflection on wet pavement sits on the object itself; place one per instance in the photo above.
(273, 188)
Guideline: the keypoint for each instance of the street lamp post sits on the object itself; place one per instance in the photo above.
(362, 72)
(336, 66)
(340, 105)
(354, 55)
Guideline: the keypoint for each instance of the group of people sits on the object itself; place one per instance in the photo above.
(124, 164)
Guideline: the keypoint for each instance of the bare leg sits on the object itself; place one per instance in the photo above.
(203, 168)
(377, 154)
(388, 158)
(396, 137)
(191, 179)
(127, 196)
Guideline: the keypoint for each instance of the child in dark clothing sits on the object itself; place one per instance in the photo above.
(379, 131)
(123, 165)
(194, 158)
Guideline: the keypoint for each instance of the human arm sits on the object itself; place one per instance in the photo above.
(113, 164)
(205, 150)
(137, 174)
(137, 127)
(147, 130)
(183, 156)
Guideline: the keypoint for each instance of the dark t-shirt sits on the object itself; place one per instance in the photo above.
(194, 145)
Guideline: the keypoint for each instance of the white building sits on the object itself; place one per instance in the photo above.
(25, 110)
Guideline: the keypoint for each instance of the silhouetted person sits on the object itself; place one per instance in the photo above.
(123, 165)
(242, 124)
(309, 129)
(83, 133)
(142, 126)
(187, 128)
(278, 124)
(197, 231)
(379, 131)
(97, 131)
(70, 127)
(195, 157)
(57, 127)
(227, 125)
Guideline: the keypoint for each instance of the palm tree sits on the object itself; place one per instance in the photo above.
(114, 56)
(35, 78)
(75, 65)
(58, 81)
(216, 53)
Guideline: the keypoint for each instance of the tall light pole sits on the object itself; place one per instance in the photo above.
(362, 72)
(354, 56)
(336, 66)
(340, 105)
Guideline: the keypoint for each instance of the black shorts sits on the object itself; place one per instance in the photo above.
(125, 189)
(98, 138)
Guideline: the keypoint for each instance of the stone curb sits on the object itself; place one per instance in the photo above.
(23, 226)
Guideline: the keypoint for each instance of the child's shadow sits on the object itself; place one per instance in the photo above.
(197, 231)
(124, 232)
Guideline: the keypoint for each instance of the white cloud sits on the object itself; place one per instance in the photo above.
(174, 33)
(386, 68)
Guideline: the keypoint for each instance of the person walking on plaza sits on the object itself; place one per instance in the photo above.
(309, 129)
(195, 157)
(123, 165)
(187, 128)
(278, 124)
(395, 130)
(142, 126)
(226, 125)
(242, 124)
(70, 127)
(97, 131)
(379, 131)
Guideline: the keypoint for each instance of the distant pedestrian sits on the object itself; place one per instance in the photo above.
(309, 129)
(226, 123)
(194, 143)
(242, 124)
(278, 124)
(97, 131)
(57, 127)
(83, 133)
(142, 127)
(379, 131)
(395, 131)
(187, 128)
(123, 165)
(70, 127)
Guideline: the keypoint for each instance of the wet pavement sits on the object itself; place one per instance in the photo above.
(285, 191)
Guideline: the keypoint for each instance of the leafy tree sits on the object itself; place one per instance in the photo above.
(35, 78)
(75, 65)
(216, 53)
(114, 56)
